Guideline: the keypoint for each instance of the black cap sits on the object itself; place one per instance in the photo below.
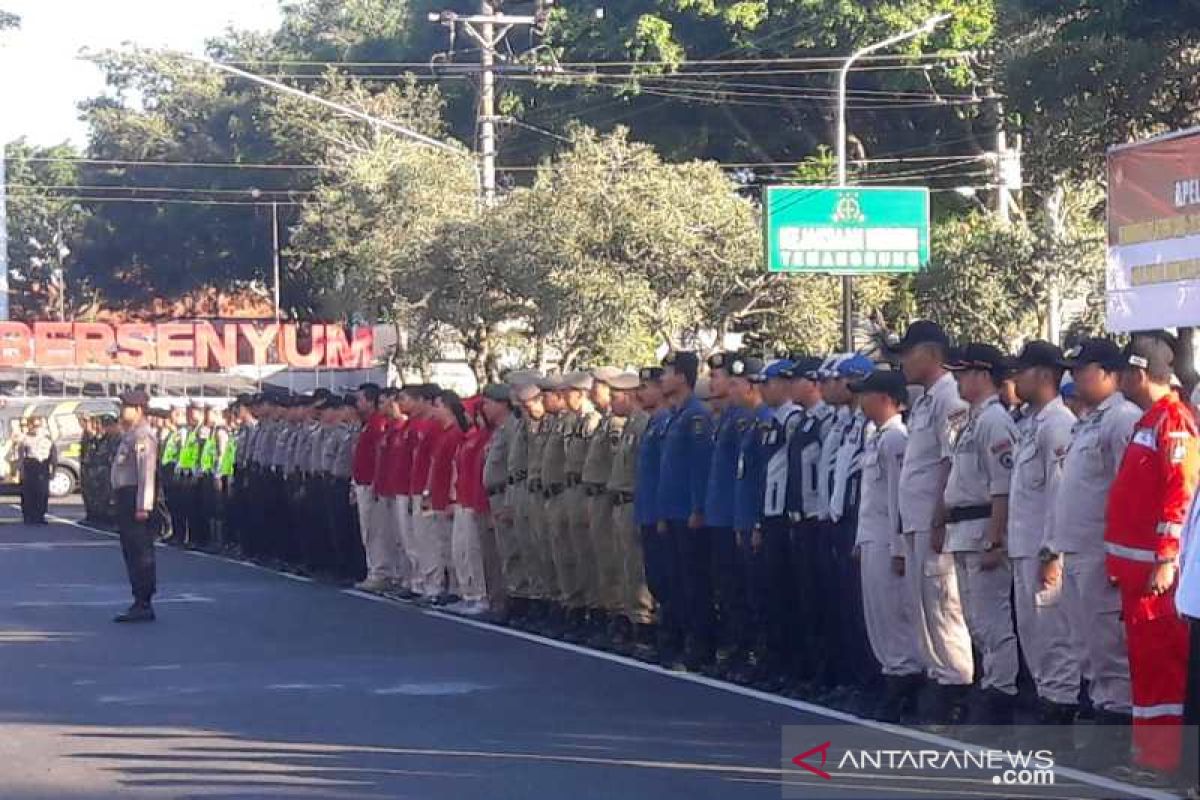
(682, 360)
(980, 357)
(747, 367)
(807, 367)
(135, 399)
(720, 360)
(1152, 352)
(1038, 353)
(1104, 352)
(497, 392)
(883, 381)
(922, 331)
(650, 374)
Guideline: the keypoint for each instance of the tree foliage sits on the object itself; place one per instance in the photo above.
(44, 228)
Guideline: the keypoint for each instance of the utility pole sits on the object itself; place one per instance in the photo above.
(926, 27)
(275, 254)
(489, 29)
(3, 237)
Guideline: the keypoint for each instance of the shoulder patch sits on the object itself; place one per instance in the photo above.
(1002, 446)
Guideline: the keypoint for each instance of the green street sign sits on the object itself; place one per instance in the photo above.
(852, 230)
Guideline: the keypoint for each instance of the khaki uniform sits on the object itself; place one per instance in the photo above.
(1093, 604)
(941, 629)
(636, 601)
(1046, 638)
(980, 470)
(577, 441)
(539, 434)
(606, 569)
(558, 519)
(521, 573)
(501, 557)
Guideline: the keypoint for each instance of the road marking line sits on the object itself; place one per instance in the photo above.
(1098, 781)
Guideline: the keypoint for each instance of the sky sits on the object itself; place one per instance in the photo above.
(42, 79)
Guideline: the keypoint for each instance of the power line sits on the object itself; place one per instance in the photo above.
(944, 56)
(196, 164)
(168, 201)
(188, 190)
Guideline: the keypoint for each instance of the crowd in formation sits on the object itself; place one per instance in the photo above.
(944, 523)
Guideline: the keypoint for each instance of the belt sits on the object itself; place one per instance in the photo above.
(594, 489)
(517, 477)
(535, 485)
(968, 513)
(574, 479)
(494, 492)
(622, 498)
(553, 490)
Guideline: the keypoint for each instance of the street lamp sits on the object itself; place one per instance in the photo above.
(925, 27)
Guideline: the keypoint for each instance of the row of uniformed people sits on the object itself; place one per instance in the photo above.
(196, 459)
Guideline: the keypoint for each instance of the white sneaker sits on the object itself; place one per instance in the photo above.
(372, 585)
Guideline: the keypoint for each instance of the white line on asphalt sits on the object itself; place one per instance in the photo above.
(1098, 781)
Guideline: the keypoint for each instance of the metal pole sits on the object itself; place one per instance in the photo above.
(3, 237)
(842, 160)
(275, 253)
(487, 105)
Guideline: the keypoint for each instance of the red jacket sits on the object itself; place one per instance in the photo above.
(468, 470)
(445, 442)
(1150, 496)
(366, 450)
(426, 432)
(387, 471)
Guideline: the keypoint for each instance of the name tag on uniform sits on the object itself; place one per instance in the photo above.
(1145, 437)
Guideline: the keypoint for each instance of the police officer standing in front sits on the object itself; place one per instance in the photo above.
(133, 482)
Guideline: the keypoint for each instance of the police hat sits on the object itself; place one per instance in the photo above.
(778, 369)
(979, 357)
(853, 367)
(922, 331)
(747, 367)
(135, 399)
(883, 381)
(720, 360)
(1038, 353)
(625, 382)
(605, 374)
(1104, 352)
(526, 392)
(578, 381)
(497, 392)
(1153, 352)
(807, 367)
(684, 361)
(650, 374)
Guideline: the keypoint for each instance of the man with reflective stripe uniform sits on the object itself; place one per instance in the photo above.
(1093, 605)
(807, 505)
(1044, 436)
(936, 418)
(976, 501)
(1147, 506)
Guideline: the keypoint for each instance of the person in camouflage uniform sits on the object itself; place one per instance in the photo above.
(104, 451)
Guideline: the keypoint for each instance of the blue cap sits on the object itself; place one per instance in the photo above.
(855, 366)
(779, 369)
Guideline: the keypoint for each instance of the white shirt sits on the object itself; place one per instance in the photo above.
(1041, 449)
(936, 418)
(879, 507)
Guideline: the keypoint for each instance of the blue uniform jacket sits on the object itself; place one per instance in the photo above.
(686, 456)
(751, 484)
(645, 496)
(718, 500)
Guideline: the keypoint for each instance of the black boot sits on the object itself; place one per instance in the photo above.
(1106, 744)
(138, 612)
(599, 635)
(950, 707)
(899, 702)
(644, 642)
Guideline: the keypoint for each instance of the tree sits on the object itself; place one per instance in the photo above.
(1082, 75)
(44, 230)
(995, 283)
(8, 20)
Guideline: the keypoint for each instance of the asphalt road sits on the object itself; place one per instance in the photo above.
(253, 684)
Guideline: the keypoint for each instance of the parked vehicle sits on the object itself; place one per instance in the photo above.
(62, 418)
